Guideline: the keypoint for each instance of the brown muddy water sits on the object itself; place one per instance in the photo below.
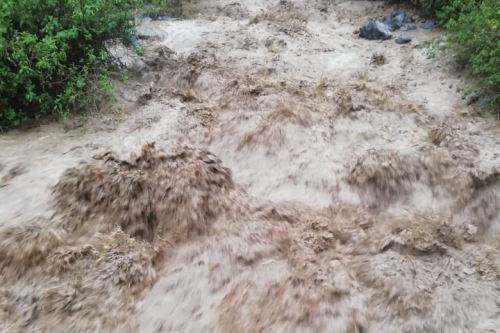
(263, 170)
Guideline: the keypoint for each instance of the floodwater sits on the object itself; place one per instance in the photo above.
(262, 170)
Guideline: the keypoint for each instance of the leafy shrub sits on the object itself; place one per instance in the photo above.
(52, 51)
(445, 9)
(155, 8)
(475, 36)
(428, 5)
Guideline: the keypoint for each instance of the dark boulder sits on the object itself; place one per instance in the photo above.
(395, 20)
(403, 40)
(375, 30)
(428, 25)
(408, 27)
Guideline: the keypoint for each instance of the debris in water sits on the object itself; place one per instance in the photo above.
(378, 59)
(147, 196)
(422, 235)
(11, 174)
(384, 174)
(57, 280)
(344, 101)
(37, 239)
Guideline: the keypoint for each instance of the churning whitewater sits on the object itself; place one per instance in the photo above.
(263, 170)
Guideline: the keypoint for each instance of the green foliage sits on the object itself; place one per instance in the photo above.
(156, 8)
(447, 10)
(52, 52)
(474, 34)
(428, 5)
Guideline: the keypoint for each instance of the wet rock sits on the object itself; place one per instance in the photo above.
(479, 98)
(428, 25)
(474, 98)
(414, 17)
(146, 32)
(400, 20)
(375, 30)
(403, 40)
(408, 27)
(485, 101)
(395, 20)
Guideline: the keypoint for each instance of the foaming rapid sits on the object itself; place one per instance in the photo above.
(264, 175)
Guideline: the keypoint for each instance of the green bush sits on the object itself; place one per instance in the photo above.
(156, 8)
(445, 9)
(475, 37)
(53, 51)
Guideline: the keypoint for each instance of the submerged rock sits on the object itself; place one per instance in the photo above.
(408, 27)
(428, 25)
(403, 40)
(375, 30)
(381, 30)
